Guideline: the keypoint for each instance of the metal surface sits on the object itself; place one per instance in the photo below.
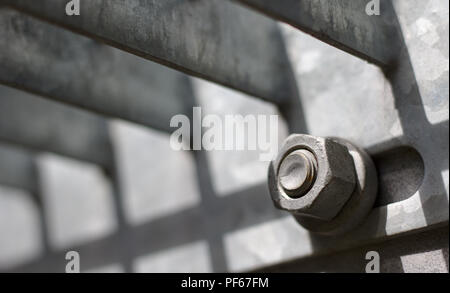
(16, 168)
(47, 126)
(212, 39)
(400, 116)
(297, 172)
(343, 192)
(425, 252)
(360, 202)
(82, 72)
(346, 97)
(334, 183)
(343, 24)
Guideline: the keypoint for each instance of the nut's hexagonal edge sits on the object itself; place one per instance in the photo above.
(360, 203)
(307, 205)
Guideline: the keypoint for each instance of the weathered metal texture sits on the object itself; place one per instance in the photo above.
(359, 204)
(333, 186)
(56, 63)
(407, 106)
(47, 126)
(210, 220)
(17, 168)
(43, 125)
(343, 24)
(212, 39)
(343, 191)
(355, 102)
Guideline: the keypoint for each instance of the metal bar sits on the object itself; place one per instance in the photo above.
(343, 24)
(108, 249)
(212, 39)
(47, 126)
(16, 168)
(55, 63)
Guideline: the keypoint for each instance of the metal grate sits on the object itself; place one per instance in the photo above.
(80, 62)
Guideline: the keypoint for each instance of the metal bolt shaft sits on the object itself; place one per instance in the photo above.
(297, 172)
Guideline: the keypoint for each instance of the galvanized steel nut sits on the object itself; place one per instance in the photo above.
(332, 186)
(314, 178)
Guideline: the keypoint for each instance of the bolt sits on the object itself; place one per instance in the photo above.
(328, 184)
(312, 177)
(297, 172)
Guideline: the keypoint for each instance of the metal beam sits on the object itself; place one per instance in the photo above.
(17, 168)
(56, 63)
(212, 39)
(48, 126)
(341, 23)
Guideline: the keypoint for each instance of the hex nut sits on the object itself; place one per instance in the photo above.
(334, 182)
(360, 203)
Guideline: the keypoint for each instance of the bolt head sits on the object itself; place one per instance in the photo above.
(334, 180)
